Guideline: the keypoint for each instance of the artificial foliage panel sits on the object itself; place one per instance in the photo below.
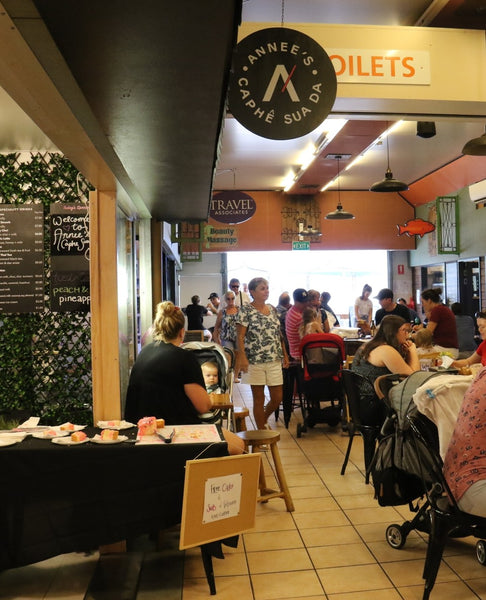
(45, 357)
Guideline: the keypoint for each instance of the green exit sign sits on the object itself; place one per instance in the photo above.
(300, 245)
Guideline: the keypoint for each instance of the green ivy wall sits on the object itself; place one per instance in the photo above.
(45, 358)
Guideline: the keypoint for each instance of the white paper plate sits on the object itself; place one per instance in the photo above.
(44, 435)
(67, 441)
(75, 428)
(11, 442)
(97, 440)
(14, 435)
(110, 425)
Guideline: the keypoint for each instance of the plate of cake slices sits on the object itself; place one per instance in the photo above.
(115, 424)
(109, 436)
(49, 434)
(73, 440)
(70, 427)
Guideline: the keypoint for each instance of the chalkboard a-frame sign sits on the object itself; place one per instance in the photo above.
(69, 228)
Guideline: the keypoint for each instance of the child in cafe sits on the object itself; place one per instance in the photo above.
(428, 354)
(311, 322)
(211, 377)
(211, 381)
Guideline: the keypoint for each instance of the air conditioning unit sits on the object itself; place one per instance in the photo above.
(477, 192)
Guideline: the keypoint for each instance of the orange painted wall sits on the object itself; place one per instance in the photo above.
(375, 226)
(447, 180)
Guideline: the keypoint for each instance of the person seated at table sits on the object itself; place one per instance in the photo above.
(440, 320)
(311, 322)
(428, 353)
(390, 351)
(479, 355)
(465, 460)
(166, 381)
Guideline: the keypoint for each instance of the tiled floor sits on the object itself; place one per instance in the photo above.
(332, 546)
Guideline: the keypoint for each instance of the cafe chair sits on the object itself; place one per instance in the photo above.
(446, 519)
(254, 441)
(352, 382)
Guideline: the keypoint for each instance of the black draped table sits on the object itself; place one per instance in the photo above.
(57, 499)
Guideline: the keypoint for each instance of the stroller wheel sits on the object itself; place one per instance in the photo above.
(395, 537)
(481, 552)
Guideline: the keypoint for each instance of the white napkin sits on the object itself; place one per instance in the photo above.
(31, 422)
(446, 361)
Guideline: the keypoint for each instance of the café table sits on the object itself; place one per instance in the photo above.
(56, 499)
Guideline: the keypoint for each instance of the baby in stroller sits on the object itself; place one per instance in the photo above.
(211, 377)
(217, 376)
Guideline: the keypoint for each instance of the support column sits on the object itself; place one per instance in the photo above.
(104, 306)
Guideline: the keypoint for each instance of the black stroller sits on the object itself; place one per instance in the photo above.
(224, 359)
(322, 361)
(416, 456)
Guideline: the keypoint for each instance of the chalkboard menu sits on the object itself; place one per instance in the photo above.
(21, 258)
(69, 229)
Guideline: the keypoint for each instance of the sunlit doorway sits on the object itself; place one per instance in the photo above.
(341, 273)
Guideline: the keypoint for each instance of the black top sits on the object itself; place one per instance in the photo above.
(400, 310)
(195, 314)
(156, 385)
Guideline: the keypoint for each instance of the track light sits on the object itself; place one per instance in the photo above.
(339, 214)
(476, 146)
(389, 184)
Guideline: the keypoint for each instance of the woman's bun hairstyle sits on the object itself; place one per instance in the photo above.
(168, 322)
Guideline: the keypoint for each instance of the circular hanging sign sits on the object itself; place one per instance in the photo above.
(232, 207)
(283, 84)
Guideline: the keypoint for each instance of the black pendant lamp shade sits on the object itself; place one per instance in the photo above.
(389, 184)
(339, 214)
(476, 146)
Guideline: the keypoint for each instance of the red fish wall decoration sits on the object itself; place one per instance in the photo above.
(416, 227)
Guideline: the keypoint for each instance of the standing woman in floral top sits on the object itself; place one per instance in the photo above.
(225, 326)
(261, 351)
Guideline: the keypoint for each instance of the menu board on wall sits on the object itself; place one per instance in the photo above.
(69, 258)
(21, 258)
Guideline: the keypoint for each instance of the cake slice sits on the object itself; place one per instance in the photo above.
(109, 434)
(78, 436)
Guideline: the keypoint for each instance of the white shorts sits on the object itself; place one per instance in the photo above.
(264, 374)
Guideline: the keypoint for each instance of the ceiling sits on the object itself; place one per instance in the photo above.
(147, 81)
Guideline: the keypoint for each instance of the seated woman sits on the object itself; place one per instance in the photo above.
(465, 460)
(479, 355)
(167, 382)
(390, 351)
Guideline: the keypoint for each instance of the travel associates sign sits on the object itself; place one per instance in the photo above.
(232, 207)
(283, 83)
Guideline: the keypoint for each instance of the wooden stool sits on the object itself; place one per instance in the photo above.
(224, 403)
(265, 437)
(240, 413)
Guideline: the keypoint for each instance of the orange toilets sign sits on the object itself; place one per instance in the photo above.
(408, 67)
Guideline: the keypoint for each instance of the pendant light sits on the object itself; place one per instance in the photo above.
(476, 146)
(389, 184)
(339, 214)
